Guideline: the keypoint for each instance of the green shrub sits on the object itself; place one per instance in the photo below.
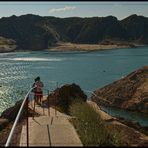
(90, 127)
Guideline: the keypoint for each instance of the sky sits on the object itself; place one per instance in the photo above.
(74, 9)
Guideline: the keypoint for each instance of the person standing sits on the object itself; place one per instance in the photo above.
(38, 90)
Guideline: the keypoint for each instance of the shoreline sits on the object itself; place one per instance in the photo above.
(118, 120)
(62, 47)
(73, 47)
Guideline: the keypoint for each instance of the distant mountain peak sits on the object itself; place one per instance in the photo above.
(135, 17)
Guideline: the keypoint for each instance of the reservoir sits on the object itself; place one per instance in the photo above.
(90, 70)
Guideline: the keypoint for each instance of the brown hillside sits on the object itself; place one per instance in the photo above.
(130, 92)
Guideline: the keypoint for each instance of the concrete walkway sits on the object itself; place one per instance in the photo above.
(53, 130)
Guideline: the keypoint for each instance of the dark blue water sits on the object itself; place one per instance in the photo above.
(90, 70)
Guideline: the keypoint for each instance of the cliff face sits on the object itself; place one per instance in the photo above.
(36, 32)
(28, 31)
(7, 44)
(129, 93)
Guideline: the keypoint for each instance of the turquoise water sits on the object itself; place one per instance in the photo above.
(90, 70)
(131, 116)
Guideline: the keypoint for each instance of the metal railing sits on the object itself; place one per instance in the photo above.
(17, 118)
(25, 104)
(95, 95)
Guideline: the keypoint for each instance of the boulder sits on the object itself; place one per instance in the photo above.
(65, 95)
(71, 91)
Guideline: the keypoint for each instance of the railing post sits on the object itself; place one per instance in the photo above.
(34, 107)
(27, 127)
(54, 109)
(48, 102)
(42, 104)
(57, 85)
(55, 106)
(48, 107)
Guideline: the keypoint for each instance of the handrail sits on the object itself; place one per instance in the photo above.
(17, 118)
(96, 95)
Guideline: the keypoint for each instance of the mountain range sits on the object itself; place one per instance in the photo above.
(33, 32)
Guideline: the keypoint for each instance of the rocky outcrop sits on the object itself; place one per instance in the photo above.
(11, 113)
(65, 95)
(130, 92)
(130, 133)
(67, 92)
(36, 33)
(7, 45)
(3, 123)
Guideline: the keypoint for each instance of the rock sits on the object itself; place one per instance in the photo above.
(66, 92)
(12, 112)
(7, 44)
(64, 95)
(3, 123)
(130, 92)
(72, 91)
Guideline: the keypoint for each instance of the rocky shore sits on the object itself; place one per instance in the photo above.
(132, 134)
(129, 93)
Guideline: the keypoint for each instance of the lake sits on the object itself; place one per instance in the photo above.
(90, 70)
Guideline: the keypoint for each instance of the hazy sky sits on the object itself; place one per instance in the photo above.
(69, 9)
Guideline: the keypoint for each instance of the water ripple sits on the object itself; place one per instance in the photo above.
(36, 59)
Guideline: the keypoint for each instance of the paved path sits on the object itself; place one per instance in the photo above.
(53, 130)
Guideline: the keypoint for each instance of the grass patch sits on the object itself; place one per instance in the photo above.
(90, 127)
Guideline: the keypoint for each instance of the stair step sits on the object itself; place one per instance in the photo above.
(44, 120)
(53, 130)
(38, 136)
(50, 135)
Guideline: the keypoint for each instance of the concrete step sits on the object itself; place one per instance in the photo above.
(48, 112)
(53, 130)
(50, 135)
(64, 135)
(38, 136)
(44, 120)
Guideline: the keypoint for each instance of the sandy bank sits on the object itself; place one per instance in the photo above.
(87, 47)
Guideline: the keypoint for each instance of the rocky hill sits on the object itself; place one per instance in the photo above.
(34, 32)
(7, 45)
(130, 92)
